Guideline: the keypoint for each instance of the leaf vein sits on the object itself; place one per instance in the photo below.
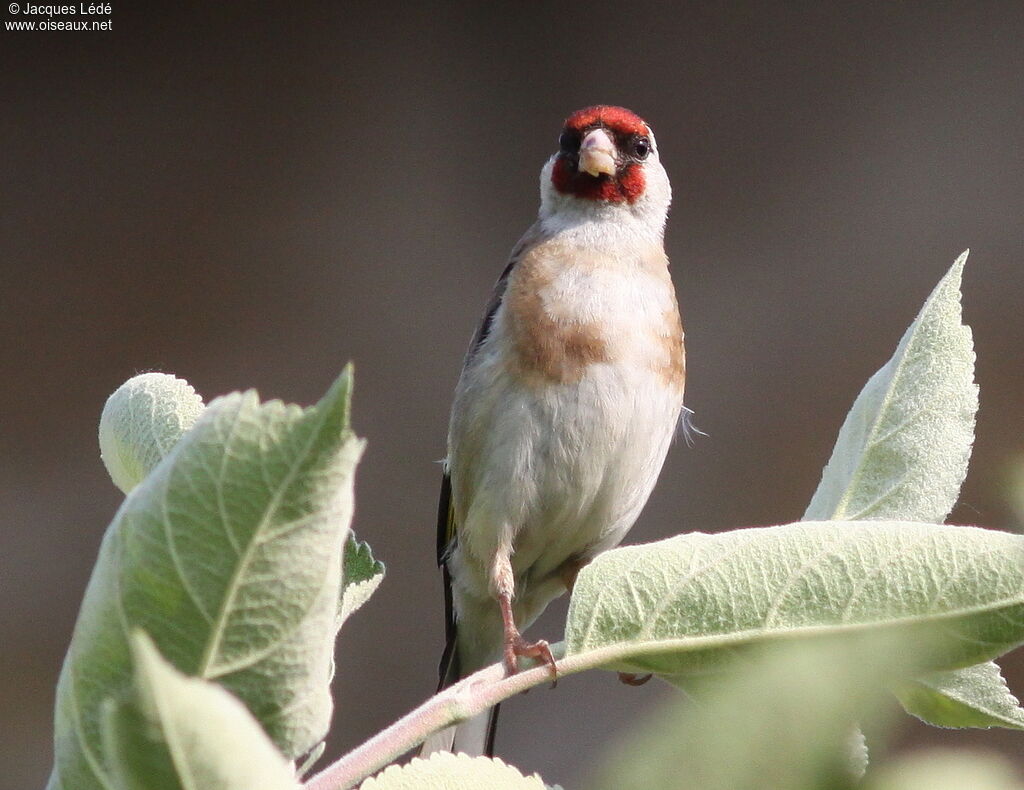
(235, 582)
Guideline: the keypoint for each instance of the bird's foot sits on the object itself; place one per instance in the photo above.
(540, 651)
(516, 646)
(631, 679)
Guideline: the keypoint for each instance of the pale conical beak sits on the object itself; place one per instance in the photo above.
(597, 154)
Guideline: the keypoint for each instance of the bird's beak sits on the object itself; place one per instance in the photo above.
(597, 154)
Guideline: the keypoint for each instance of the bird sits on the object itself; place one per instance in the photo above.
(569, 398)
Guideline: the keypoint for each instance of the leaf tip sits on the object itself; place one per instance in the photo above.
(337, 401)
(960, 262)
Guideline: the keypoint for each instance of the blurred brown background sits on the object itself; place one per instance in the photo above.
(250, 196)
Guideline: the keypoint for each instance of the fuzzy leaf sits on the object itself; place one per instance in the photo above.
(902, 452)
(687, 604)
(783, 723)
(180, 733)
(229, 556)
(947, 770)
(972, 697)
(446, 771)
(361, 575)
(904, 449)
(141, 422)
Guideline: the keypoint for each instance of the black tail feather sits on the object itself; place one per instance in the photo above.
(492, 728)
(450, 669)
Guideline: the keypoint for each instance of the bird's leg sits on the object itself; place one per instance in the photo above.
(516, 646)
(569, 570)
(503, 585)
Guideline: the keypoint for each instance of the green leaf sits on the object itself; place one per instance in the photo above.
(688, 604)
(142, 421)
(902, 452)
(973, 697)
(446, 771)
(229, 556)
(361, 576)
(947, 770)
(782, 723)
(180, 733)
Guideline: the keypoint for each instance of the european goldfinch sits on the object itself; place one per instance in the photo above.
(568, 400)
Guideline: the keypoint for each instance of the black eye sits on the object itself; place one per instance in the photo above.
(640, 148)
(569, 142)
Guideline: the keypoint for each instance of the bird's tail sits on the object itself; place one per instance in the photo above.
(474, 736)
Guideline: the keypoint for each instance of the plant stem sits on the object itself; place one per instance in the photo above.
(461, 701)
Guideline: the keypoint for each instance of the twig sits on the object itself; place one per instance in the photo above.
(459, 702)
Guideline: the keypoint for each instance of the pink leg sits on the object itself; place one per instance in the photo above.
(569, 570)
(516, 646)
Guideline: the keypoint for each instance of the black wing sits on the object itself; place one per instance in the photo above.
(446, 527)
(492, 307)
(447, 532)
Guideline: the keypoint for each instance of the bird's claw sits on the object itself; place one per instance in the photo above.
(539, 651)
(631, 679)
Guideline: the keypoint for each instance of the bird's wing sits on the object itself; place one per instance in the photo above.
(447, 529)
(449, 668)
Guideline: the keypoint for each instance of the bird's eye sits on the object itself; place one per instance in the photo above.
(569, 142)
(640, 148)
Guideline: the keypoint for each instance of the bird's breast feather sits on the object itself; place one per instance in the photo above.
(568, 309)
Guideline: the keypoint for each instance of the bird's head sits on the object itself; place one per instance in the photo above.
(607, 157)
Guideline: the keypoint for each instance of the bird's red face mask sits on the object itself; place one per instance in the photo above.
(601, 154)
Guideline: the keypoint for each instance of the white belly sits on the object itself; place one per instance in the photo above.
(558, 474)
(604, 447)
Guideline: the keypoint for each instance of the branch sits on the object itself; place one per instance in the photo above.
(463, 700)
(485, 689)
